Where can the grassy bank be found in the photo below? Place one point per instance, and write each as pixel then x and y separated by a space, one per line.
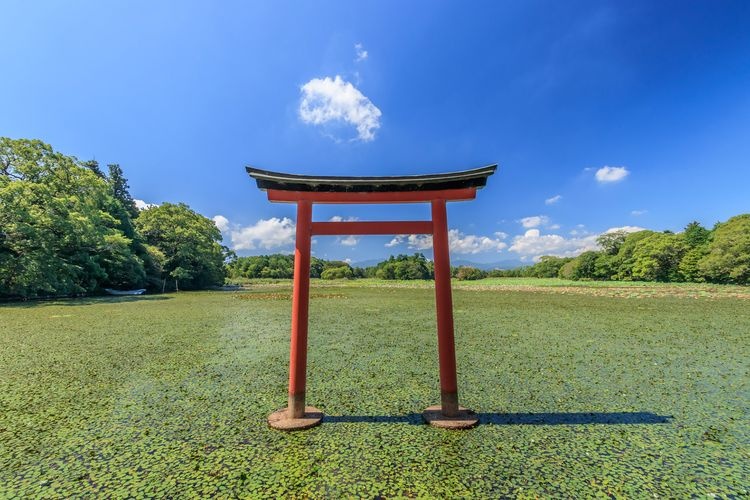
pixel 578 393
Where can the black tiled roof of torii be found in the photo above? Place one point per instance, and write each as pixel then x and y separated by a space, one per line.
pixel 476 178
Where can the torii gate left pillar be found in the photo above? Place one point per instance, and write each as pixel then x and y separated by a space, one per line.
pixel 449 414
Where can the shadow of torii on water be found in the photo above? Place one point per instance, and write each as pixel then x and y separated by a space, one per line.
pixel 544 418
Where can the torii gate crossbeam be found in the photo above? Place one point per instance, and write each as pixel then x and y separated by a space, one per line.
pixel 437 190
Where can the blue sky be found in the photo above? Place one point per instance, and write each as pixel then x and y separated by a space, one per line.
pixel 600 114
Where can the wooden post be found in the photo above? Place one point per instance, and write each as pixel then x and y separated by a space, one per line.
pixel 300 307
pixel 297 416
pixel 444 309
pixel 448 415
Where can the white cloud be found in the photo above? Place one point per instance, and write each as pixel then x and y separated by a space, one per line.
pixel 348 241
pixel 221 222
pixel 611 174
pixel 627 229
pixel 553 200
pixel 532 244
pixel 414 241
pixel 333 100
pixel 554 226
pixel 534 221
pixel 458 242
pixel 361 52
pixel 638 212
pixel 266 233
pixel 142 205
pixel 501 235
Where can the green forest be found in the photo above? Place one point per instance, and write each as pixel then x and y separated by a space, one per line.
pixel 697 254
pixel 68 227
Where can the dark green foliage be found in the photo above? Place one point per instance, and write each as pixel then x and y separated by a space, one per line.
pixel 468 273
pixel 657 257
pixel 339 272
pixel 60 225
pixel 278 266
pixel 281 266
pixel 66 228
pixel 190 242
pixel 547 267
pixel 579 396
pixel 728 254
pixel 120 189
pixel 403 267
pixel 696 235
pixel 585 266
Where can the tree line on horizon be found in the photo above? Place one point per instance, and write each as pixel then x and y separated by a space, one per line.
pixel 69 228
pixel 697 254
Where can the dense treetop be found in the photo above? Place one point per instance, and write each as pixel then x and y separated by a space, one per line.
pixel 67 228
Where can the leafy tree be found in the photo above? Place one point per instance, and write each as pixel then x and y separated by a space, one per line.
pixel 121 190
pixel 568 270
pixel 612 241
pixel 657 257
pixel 623 262
pixel 464 273
pixel 404 267
pixel 585 266
pixel 189 241
pixel 696 235
pixel 688 267
pixel 728 258
pixel 340 272
pixel 547 267
pixel 93 165
pixel 59 235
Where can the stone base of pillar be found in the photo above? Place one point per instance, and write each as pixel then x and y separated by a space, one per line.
pixel 463 419
pixel 283 421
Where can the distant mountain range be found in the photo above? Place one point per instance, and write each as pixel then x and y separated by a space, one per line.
pixel 486 266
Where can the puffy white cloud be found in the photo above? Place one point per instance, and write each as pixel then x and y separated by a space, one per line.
pixel 470 243
pixel 532 244
pixel 142 205
pixel 534 221
pixel 349 241
pixel 361 52
pixel 611 174
pixel 553 200
pixel 333 100
pixel 414 241
pixel 266 233
pixel 221 222
pixel 458 242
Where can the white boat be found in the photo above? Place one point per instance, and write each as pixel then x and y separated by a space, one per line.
pixel 140 291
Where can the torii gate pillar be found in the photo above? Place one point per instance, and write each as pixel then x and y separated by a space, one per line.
pixel 435 189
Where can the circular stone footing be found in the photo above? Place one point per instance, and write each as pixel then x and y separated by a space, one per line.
pixel 465 419
pixel 280 419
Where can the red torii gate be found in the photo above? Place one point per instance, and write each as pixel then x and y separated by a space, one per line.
pixel 437 189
